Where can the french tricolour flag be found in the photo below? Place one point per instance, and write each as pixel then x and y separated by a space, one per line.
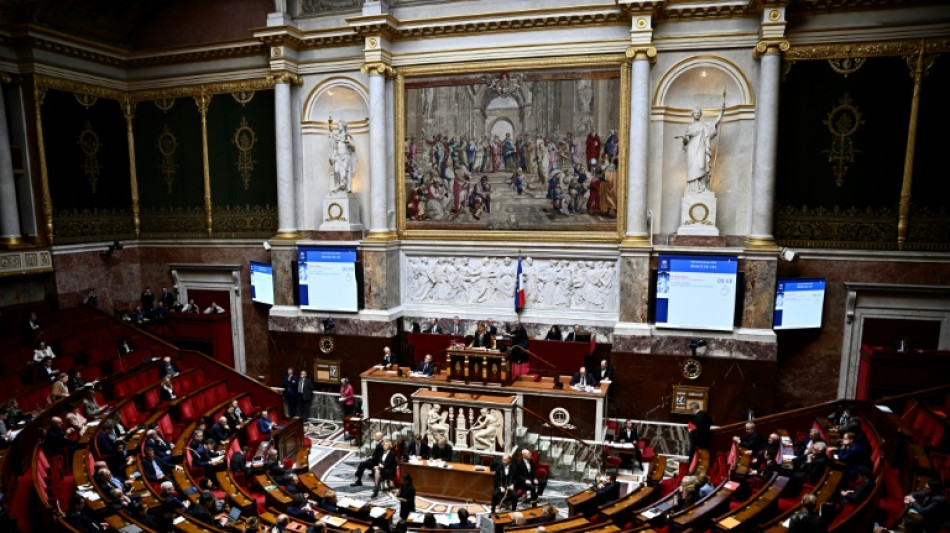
pixel 519 289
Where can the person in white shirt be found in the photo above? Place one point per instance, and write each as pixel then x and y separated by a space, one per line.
pixel 213 309
pixel 42 351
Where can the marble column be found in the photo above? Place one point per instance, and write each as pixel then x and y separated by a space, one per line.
pixel 637 232
pixel 9 212
pixel 377 150
pixel 286 216
pixel 766 146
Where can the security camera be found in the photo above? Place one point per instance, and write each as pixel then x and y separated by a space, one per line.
pixel 266 246
pixel 695 344
pixel 787 254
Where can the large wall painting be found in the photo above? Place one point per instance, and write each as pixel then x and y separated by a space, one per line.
pixel 512 150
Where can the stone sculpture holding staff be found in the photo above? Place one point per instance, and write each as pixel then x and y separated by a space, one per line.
pixel 697 143
pixel 342 158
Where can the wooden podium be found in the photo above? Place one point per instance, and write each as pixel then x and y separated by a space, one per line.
pixel 488 367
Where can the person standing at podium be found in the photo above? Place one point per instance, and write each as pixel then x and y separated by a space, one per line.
pixel 482 337
pixel 518 355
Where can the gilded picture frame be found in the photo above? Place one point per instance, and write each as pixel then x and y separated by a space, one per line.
pixel 552 204
pixel 683 396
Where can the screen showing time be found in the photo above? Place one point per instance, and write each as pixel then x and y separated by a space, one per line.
pixel 798 303
pixel 327 279
pixel 696 292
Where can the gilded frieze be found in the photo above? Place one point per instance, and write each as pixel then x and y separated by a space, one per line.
pixel 168 222
pixel 249 221
pixel 90 225
pixel 837 227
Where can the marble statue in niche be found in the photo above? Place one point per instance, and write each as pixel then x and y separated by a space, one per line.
pixel 487 432
pixel 342 158
pixel 697 143
pixel 437 426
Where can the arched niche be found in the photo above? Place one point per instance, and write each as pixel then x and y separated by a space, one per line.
pixel 699 81
pixel 340 98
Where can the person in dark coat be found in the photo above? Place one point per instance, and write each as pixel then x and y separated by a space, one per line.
pixel 406 497
pixel 290 392
pixel 506 484
pixel 304 395
pixel 699 429
pixel 386 467
pixel 809 520
pixel 417 447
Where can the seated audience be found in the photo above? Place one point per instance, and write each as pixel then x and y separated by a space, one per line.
pixel 427 367
pixel 433 327
pixel 191 307
pixel 464 521
pixel 45 373
pixel 75 381
pixel 43 351
pixel 441 451
pixel 79 518
pixel 238 461
pixel 928 510
pixel 60 390
pixel 417 447
pixel 582 379
pixel 220 431
pixel 299 508
pixel 74 419
pixel 752 442
pixel 808 520
pixel 58 438
pixel 607 489
pixel 861 490
pixel 152 468
pixel 213 309
pixel 853 453
pixel 107 437
pixel 166 391
pixel 575 334
pixel 554 334
pixel 168 368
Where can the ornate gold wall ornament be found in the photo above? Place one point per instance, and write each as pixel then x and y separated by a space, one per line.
pixel 191 91
pixel 245 139
pixel 865 228
pixel 167 145
pixel 243 97
pixel 774 15
pixel 335 212
pixel 128 112
pixel 92 225
pixel 165 104
pixel 846 65
pixel 86 100
pixel 89 144
pixel 698 214
pixel 842 121
pixel 172 222
pixel 284 77
pixel 245 221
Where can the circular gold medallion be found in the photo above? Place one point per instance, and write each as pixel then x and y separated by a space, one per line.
pixel 335 211
pixel 641 22
pixel 326 344
pixel 692 369
pixel 698 212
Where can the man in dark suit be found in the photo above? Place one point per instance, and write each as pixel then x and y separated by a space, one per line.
pixel 582 379
pixel 162 449
pixel 385 468
pixel 106 438
pixel 220 430
pixel 417 447
pixel 77 517
pixel 607 490
pixel 699 429
pixel 238 460
pixel 167 298
pixel 57 438
pixel 574 334
pixel 506 484
pixel 304 395
pixel 427 368
pixel 490 326
pixel 605 372
pixel 629 435
pixel 388 358
pixel 526 475
pixel 433 327
pixel 290 392
pixel 370 462
pixel 441 451
pixel 455 328
pixel 168 368
pixel 153 470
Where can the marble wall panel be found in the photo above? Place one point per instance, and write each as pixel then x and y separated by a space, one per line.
pixel 381 279
pixel 634 287
pixel 759 300
pixel 115 278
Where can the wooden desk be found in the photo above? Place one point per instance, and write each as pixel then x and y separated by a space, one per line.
pixel 460 482
pixel 488 367
pixel 584 502
pixel 744 518
pixel 826 489
pixel 696 516
pixel 586 409
pixel 559 526
pixel 621 511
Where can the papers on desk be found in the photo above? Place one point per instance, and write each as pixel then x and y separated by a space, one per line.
pixel 14 433
pixel 350 503
pixel 650 514
pixel 217 460
pixel 624 445
pixel 415 460
pixel 416 517
pixel 334 521
pixel 729 522
pixel 786 522
pixel 445 519
pixel 377 512
pixel 178 520
pixel 884 408
pixel 418 375
pixel 437 463
pixel 90 495
pixel 93 423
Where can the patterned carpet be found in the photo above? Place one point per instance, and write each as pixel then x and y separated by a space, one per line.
pixel 334 461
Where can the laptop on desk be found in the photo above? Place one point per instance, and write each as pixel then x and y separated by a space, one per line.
pixel 234 515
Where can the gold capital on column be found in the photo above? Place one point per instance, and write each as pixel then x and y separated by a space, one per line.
pixel 284 77
pixel 772 46
pixel 378 68
pixel 642 52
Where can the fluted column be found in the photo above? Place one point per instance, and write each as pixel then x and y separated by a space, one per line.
pixel 378 226
pixel 637 231
pixel 9 212
pixel 286 209
pixel 766 144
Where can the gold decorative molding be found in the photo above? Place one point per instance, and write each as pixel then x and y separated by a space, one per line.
pixel 771 46
pixel 284 77
pixel 761 243
pixel 382 236
pixel 191 91
pixel 377 68
pixel 919 65
pixel 93 225
pixel 88 142
pixel 167 145
pixel 842 121
pixel 244 139
pixel 635 241
pixel 247 221
pixel 45 82
pixel 173 222
pixel 868 49
pixel 642 52
pixel 836 227
pixel 609 60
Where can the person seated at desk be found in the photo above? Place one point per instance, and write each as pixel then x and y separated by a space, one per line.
pixel 629 435
pixel 427 368
pixel 809 468
pixel 853 454
pixel 554 334
pixel 385 469
pixel 78 518
pixel 300 509
pixel 575 335
pixel 752 442
pixel 265 425
pixel 441 451
pixel 928 509
pixel 162 448
pixel 809 520
pixel 456 328
pixel 168 368
pixel 371 461
pixel 464 521
pixel 59 390
pixel 605 373
pixel 220 431
pixel 771 457
pixel 506 481
pixel 607 489
pixel 860 492
pixel 214 309
pixel 203 511
pixel 582 379
pixel 329 502
pixel 530 482
pixel 281 476
pixel 166 392
pixel 153 469
pixel 433 327
pixel 804 446
pixel 483 338
pixel 518 354
pixel 417 447
pixel 490 326
pixel 43 351
pixel 238 461
pixel 119 460
pixel 388 358
pixel 74 418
